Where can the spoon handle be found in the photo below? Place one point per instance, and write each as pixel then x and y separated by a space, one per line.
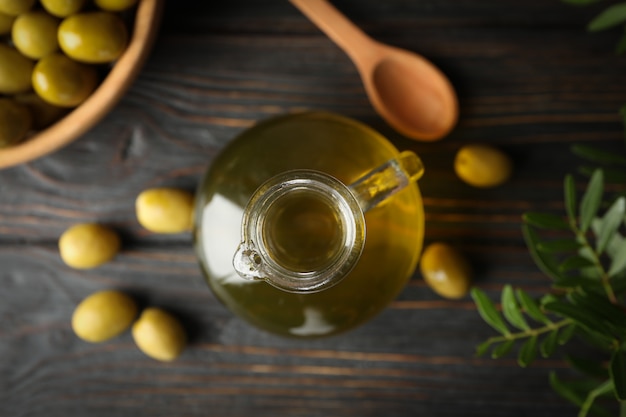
pixel 337 27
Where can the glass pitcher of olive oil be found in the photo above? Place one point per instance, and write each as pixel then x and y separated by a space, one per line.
pixel 309 224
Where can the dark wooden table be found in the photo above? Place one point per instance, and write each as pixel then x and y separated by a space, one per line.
pixel 530 79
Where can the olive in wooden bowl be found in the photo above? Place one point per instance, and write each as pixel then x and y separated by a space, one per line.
pixel 65 87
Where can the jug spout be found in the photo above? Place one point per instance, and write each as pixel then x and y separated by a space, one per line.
pixel 247 261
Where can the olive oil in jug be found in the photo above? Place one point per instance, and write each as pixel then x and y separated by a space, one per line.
pixel 306 231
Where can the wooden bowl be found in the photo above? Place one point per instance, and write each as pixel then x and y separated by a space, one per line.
pixel 102 100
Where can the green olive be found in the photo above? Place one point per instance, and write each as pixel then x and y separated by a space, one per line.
pixel 44 113
pixel 15 7
pixel 165 210
pixel 34 34
pixel 95 37
pixel 115 5
pixel 159 335
pixel 446 270
pixel 15 122
pixel 63 82
pixel 103 315
pixel 62 8
pixel 15 71
pixel 88 245
pixel 482 165
pixel 6 23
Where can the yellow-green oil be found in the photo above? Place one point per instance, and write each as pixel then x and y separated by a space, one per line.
pixel 302 232
pixel 325 142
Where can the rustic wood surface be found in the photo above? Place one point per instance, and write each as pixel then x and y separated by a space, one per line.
pixel 530 80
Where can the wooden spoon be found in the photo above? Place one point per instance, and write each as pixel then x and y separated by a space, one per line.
pixel 407 90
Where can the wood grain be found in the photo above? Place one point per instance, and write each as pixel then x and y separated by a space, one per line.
pixel 530 80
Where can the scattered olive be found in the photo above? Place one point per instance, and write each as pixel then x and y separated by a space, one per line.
pixel 94 37
pixel 15 71
pixel 63 82
pixel 115 5
pixel 6 23
pixel 159 335
pixel 15 7
pixel 165 210
pixel 446 270
pixel 15 122
pixel 103 315
pixel 482 165
pixel 62 8
pixel 88 245
pixel 34 34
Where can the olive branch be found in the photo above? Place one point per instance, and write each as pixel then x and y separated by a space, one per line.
pixel 587 267
pixel 585 257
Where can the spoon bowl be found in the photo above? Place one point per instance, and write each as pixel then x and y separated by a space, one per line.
pixel 406 89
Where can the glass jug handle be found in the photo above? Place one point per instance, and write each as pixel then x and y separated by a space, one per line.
pixel 386 180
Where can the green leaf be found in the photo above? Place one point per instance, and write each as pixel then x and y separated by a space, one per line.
pixel 566 334
pixel 610 223
pixel 545 221
pixel 483 348
pixel 531 307
pixel 598 305
pixel 588 367
pixel 587 319
pixel 548 345
pixel 546 263
pixel 502 349
pixel 614 245
pixel 593 273
pixel 578 282
pixel 617 371
pixel 559 245
pixel 548 298
pixel 614 242
pixel 575 262
pixel 488 311
pixel 598 339
pixel 611 16
pixel 511 309
pixel 527 352
pixel 569 187
pixel 618 264
pixel 591 200
pixel 593 276
pixel 586 251
pixel 597 155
